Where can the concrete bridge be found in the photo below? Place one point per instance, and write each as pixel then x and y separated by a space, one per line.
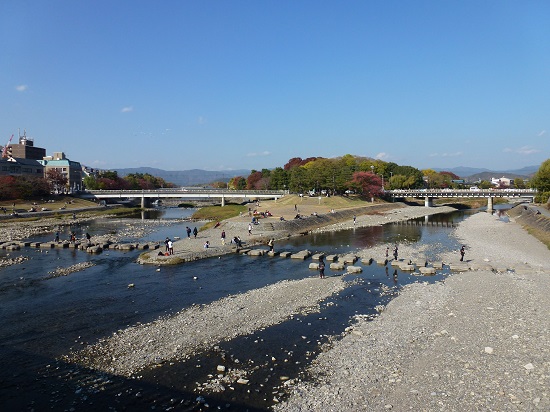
pixel 429 194
pixel 149 196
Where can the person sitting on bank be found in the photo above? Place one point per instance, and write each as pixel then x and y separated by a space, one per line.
pixel 207 244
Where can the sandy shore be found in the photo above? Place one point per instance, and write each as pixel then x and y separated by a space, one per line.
pixel 479 341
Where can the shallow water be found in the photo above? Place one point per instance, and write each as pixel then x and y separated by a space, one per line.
pixel 45 318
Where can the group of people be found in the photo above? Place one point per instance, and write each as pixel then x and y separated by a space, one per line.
pixel 188 230
pixel 168 246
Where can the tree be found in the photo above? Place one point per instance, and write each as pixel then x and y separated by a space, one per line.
pixel 253 179
pixel 237 183
pixel 57 180
pixel 541 182
pixel 368 183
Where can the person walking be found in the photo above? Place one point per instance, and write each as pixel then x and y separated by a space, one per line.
pixel 354 219
pixel 321 268
pixel 170 247
pixel 395 252
pixel 249 229
pixel 166 244
pixel 223 237
pixel 270 244
pixel 188 230
pixel 195 231
pixel 462 252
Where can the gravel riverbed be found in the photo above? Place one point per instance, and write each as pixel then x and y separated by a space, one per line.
pixel 478 341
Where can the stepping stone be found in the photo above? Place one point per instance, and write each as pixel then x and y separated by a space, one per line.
pixel 406 267
pixel 459 267
pixel 396 263
pixel 304 254
pixel 349 259
pixel 318 256
pixel 314 266
pixel 354 269
pixel 382 262
pixel 256 252
pixel 337 266
pixel 420 262
pixel 331 258
pixel 49 245
pixel 285 254
pixel 426 270
pixel 437 265
pixel 272 253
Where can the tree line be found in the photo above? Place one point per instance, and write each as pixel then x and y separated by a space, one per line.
pixel 343 175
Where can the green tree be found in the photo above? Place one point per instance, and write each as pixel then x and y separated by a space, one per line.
pixel 541 182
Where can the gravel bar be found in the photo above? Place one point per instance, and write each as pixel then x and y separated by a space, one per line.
pixel 197 328
pixel 478 341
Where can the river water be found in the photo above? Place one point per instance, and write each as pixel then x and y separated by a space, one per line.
pixel 43 318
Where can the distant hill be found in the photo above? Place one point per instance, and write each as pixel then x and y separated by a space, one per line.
pixel 473 174
pixel 186 177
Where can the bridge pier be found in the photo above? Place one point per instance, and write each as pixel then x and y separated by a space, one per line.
pixel 490 205
pixel 223 200
pixel 428 201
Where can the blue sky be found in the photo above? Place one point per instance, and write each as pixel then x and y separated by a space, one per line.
pixel 221 85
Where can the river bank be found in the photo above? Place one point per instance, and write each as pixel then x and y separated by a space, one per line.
pixel 479 341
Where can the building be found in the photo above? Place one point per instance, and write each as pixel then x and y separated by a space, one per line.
pixel 14 166
pixel 502 182
pixel 71 170
pixel 25 149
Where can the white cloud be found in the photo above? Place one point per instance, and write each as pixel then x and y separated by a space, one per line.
pixel 21 88
pixel 381 156
pixel 258 154
pixel 455 154
pixel 527 150
pixel 524 150
pixel 541 133
pixel 201 120
pixel 127 109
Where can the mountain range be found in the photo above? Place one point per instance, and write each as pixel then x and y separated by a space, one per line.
pixel 191 177
pixel 472 174
pixel 195 177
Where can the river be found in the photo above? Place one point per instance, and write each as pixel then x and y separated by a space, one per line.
pixel 44 317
